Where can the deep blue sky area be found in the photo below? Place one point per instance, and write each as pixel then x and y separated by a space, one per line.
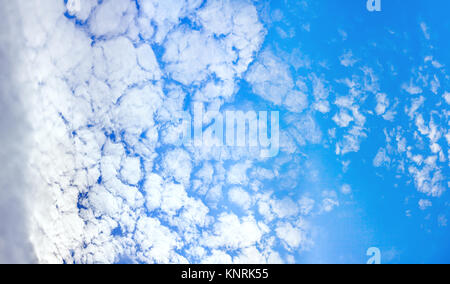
pixel 382 210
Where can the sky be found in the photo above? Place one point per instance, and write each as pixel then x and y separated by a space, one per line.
pixel 92 97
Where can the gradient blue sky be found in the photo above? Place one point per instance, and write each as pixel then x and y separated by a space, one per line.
pixel 375 215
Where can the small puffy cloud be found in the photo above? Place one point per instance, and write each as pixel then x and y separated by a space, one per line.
pixel 270 78
pixel 253 255
pixel 320 89
pixel 218 257
pixel 322 106
pixel 240 197
pixel 285 208
pixel 131 170
pixel 153 187
pixel 381 159
pixel 292 236
pixel 306 205
pixel 424 204
pixel 382 104
pixel 351 141
pixel 233 233
pixel 343 119
pixel 304 129
pixel 347 59
pixel 237 173
pixel 173 198
pixel 296 101
pixel 177 164
pixel 346 189
pixel 112 17
pixel 416 104
pixel 442 221
pixel 447 97
pixel 428 180
pixel 329 202
pixel 157 241
pixel 81 9
pixel 412 89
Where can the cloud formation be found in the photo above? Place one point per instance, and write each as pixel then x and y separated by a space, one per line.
pixel 91 98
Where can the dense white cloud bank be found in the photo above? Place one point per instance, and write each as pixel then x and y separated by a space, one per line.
pixel 102 106
pixel 15 246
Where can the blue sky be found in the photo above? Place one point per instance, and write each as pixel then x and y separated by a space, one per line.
pixel 375 213
pixel 363 99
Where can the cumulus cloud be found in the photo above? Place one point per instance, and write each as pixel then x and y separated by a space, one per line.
pixel 381 159
pixel 412 89
pixel 382 104
pixel 240 197
pixel 346 189
pixel 107 183
pixel 347 59
pixel 107 83
pixel 424 204
pixel 272 80
pixel 293 236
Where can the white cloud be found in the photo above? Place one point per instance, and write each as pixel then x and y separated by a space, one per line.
pixel 112 17
pixel 296 101
pixel 285 208
pixel 306 205
pixel 157 242
pixel 381 159
pixel 240 197
pixel 270 78
pixel 425 30
pixel 322 106
pixel 131 170
pixel 447 97
pixel 81 9
pixel 232 233
pixel 304 129
pixel 15 246
pixel 329 202
pixel 343 119
pixel 193 56
pixel 237 173
pixel 428 180
pixel 412 89
pixel 382 104
pixel 351 142
pixel 177 164
pixel 424 204
pixel 346 189
pixel 293 236
pixel 442 221
pixel 347 59
pixel 415 106
pixel 218 257
pixel 104 105
pixel 153 187
pixel 96 102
